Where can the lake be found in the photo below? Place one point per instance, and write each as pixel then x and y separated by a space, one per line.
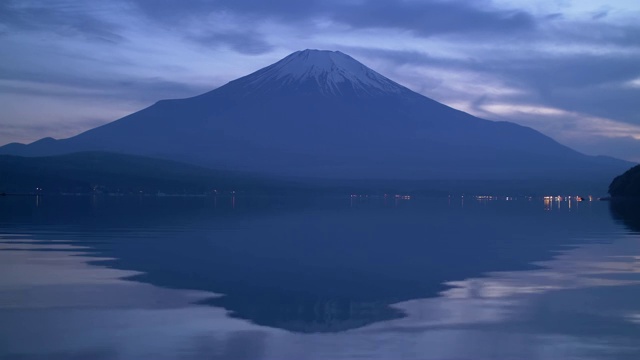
pixel 99 277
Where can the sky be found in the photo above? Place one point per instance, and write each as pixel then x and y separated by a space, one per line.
pixel 567 68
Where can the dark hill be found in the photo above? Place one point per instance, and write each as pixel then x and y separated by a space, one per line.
pixel 91 172
pixel 627 184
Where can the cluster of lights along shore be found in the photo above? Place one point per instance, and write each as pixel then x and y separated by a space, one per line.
pixel 550 201
pixel 556 198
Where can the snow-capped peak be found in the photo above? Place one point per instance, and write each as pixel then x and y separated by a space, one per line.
pixel 334 72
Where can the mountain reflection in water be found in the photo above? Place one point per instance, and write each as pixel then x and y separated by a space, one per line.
pixel 626 211
pixel 310 265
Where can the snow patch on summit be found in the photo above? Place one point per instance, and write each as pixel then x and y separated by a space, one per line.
pixel 333 72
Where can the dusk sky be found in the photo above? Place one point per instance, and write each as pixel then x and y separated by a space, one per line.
pixel 570 69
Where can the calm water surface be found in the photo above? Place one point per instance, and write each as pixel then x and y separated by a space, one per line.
pixel 343 278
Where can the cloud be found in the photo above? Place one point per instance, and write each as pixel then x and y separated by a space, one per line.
pixel 436 17
pixel 585 133
pixel 600 15
pixel 559 121
pixel 619 147
pixel 249 43
pixel 635 83
pixel 421 17
pixel 212 24
pixel 142 89
pixel 595 84
pixel 598 84
pixel 65 18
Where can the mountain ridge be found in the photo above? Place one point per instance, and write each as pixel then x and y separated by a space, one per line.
pixel 319 113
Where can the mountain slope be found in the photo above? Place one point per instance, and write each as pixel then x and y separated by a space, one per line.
pixel 323 114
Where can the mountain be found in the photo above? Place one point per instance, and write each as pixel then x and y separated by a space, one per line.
pixel 101 172
pixel 323 114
